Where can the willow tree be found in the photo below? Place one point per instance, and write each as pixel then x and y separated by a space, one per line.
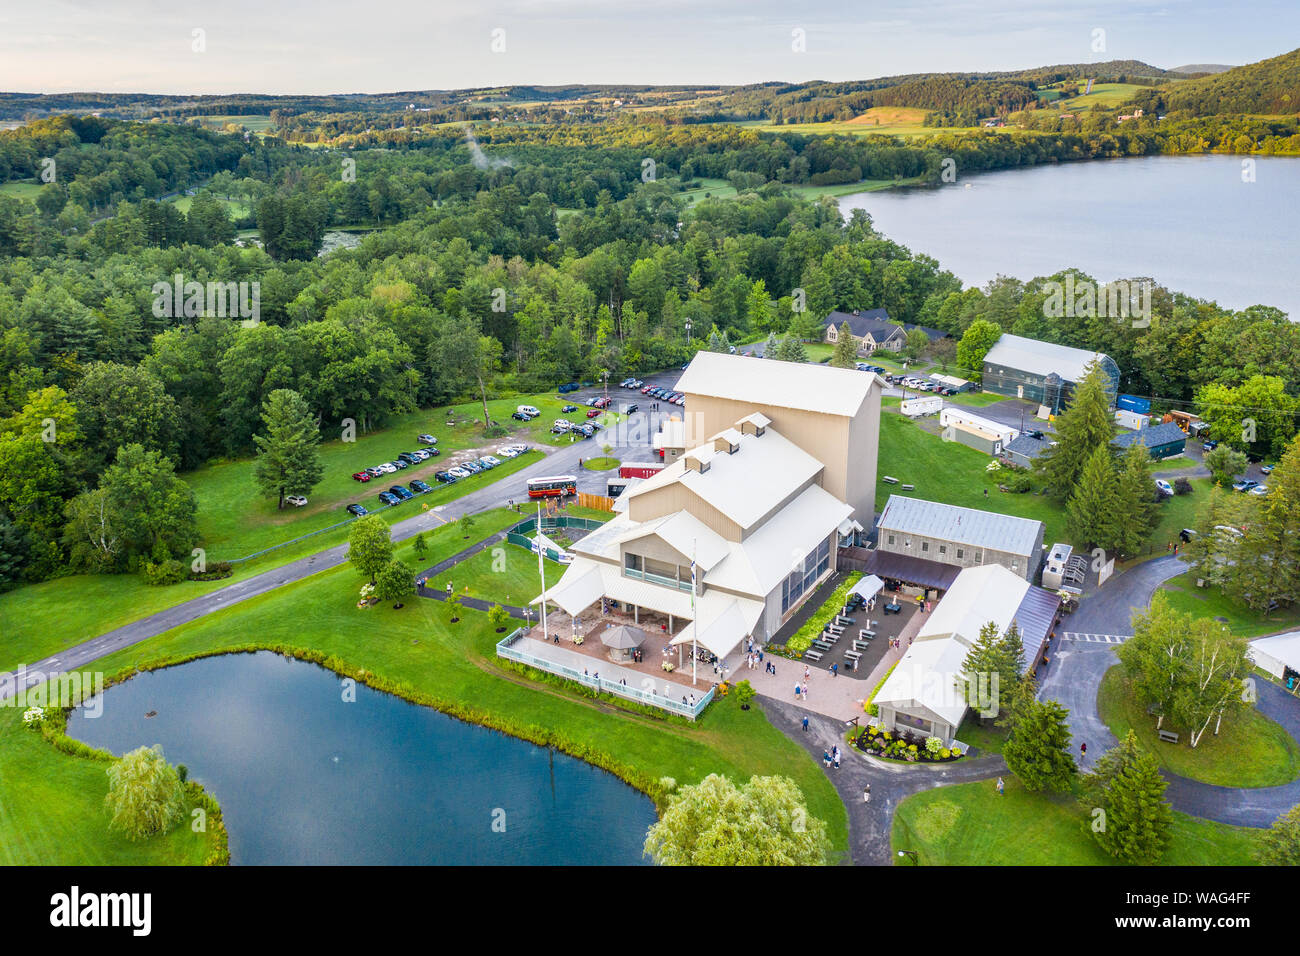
pixel 145 794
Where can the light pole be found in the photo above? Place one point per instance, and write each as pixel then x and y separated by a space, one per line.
pixel 916 860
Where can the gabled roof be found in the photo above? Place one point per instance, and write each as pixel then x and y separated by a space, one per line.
pixel 987 529
pixel 1163 434
pixel 756 381
pixel 1028 446
pixel 1041 358
pixel 744 485
pixel 978 595
pixel 687 535
pixel 873 322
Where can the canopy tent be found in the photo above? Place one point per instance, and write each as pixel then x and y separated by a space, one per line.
pixel 868 586
pixel 1277 653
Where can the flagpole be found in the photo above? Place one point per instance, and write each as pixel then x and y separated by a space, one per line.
pixel 695 619
pixel 541 569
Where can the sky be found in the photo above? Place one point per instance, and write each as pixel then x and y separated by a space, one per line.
pixel 348 46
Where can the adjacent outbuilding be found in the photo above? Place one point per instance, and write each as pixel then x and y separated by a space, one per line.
pixel 1165 440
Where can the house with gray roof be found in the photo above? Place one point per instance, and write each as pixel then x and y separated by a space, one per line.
pixel 962 537
pixel 1165 440
pixel 871 330
pixel 1042 372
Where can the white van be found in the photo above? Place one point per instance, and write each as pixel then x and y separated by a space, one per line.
pixel 527 410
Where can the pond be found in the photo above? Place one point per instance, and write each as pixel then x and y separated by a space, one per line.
pixel 305 777
pixel 1189 222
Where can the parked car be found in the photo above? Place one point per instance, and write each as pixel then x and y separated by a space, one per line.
pixel 1244 485
pixel 387 468
pixel 459 472
pixel 398 464
pixel 1260 490
pixel 408 457
pixel 520 416
pixel 569 408
pixel 593 413
pixel 388 498
pixel 1266 469
pixel 426 439
pixel 296 500
pixel 626 383
pixel 491 461
pixel 472 467
pixel 1209 444
pixel 629 409
pixel 602 402
pixel 361 476
pixel 484 464
pixel 1164 487
pixel 420 487
pixel 443 476
pixel 568 387
pixel 507 452
pixel 530 410
pixel 402 492
pixel 358 510
pixel 587 431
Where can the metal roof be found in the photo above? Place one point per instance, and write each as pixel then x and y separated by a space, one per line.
pixel 756 381
pixel 911 570
pixel 1034 619
pixel 987 529
pixel 1166 433
pixel 1041 358
pixel 1027 445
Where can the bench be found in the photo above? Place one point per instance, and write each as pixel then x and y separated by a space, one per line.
pixel 889 479
pixel 1168 736
pixel 865 635
pixel 909 487
pixel 822 645
pixel 853 655
pixel 836 629
pixel 843 620
pixel 813 655
pixel 827 639
pixel 862 645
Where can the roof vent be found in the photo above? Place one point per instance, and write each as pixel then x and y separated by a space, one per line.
pixel 722 443
pixel 695 463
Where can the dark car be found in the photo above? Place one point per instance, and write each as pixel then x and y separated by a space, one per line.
pixel 1209 444
pixel 629 409
pixel 409 457
pixel 358 510
pixel 420 487
pixel 400 463
pixel 402 492
pixel 484 464
pixel 520 416
pixel 443 476
pixel 426 439
pixel 388 498
pixel 586 430
pixel 569 387
pixel 568 408
pixel 591 414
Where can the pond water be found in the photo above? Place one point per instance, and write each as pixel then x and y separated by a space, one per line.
pixel 1190 222
pixel 304 777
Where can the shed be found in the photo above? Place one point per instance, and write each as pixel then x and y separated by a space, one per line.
pixel 1165 440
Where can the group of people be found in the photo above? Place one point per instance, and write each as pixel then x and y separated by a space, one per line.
pixel 831 756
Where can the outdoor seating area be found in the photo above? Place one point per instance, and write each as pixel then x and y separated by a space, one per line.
pixel 853 641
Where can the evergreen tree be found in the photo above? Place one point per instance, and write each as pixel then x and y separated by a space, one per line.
pixel 1280 846
pixel 1267 564
pixel 1094 516
pixel 992 668
pixel 1135 491
pixel 1038 747
pixel 846 348
pixel 791 350
pixel 770 346
pixel 288 457
pixel 1080 429
pixel 1127 787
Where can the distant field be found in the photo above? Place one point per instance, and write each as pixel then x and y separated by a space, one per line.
pixel 906 122
pixel 1103 95
pixel 236 209
pixel 253 122
pixel 721 189
pixel 20 190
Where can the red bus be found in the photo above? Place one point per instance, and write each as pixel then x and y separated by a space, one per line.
pixel 556 487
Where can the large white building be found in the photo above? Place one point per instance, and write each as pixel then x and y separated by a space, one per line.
pixel 924 692
pixel 748 511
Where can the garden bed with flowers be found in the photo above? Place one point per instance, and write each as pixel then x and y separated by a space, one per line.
pixel 906 747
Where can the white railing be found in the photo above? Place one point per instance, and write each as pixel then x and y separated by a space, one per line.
pixel 506 649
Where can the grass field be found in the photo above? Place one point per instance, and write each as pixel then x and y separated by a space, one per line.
pixel 20 190
pixel 600 464
pixel 253 122
pixel 1184 595
pixel 986 738
pixel 1250 750
pixel 236 210
pixel 455 663
pixel 905 122
pixel 970 825
pixel 505 573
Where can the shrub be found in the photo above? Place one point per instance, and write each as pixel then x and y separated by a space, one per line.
pixel 933 745
pixel 213 572
pixel 167 571
pixel 1182 486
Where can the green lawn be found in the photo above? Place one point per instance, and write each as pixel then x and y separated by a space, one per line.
pixel 970 825
pixel 234 207
pixel 1209 601
pixel 987 738
pixel 1177 512
pixel 505 573
pixel 980 399
pixel 1250 750
pixel 52 811
pixel 600 464
pixel 26 191
pixel 456 664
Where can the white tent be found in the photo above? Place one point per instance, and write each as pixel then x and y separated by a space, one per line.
pixel 1275 654
pixel 868 587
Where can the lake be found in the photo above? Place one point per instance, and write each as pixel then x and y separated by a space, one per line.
pixel 306 778
pixel 1190 222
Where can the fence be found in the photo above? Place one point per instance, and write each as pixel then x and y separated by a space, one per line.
pixel 595 502
pixel 506 649
pixel 519 533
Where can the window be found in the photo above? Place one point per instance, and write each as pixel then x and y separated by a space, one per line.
pixel 961 553
pixel 925 545
pixel 943 549
pixel 979 557
pixel 633 566
pixel 891 539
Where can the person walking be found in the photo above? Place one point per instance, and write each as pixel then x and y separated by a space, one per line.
pixel 806 673
pixel 1083 750
pixel 805 723
pixel 826 758
pixel 835 756
pixel 866 794
pixel 796 691
pixel 835 670
pixel 1001 785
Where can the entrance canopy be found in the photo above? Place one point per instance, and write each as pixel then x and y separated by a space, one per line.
pixel 912 570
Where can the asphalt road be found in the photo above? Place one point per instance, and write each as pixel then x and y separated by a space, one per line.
pixel 631 441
